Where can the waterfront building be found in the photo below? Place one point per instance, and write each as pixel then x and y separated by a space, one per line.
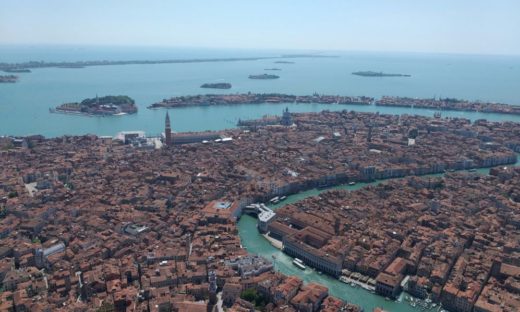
pixel 306 245
pixel 278 230
pixel 419 287
pixel 221 211
pixel 265 217
pixel 127 137
pixel 388 285
pixel 459 300
pixel 368 173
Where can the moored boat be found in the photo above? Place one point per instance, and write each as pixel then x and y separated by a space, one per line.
pixel 298 263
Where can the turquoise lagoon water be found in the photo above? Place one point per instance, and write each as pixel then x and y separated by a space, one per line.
pixel 24 106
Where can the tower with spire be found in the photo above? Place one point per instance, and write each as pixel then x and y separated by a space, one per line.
pixel 167 131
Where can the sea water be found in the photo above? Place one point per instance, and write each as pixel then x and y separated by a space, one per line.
pixel 24 106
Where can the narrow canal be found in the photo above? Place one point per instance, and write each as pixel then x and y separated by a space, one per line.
pixel 257 244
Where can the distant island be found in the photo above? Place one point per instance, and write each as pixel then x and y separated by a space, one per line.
pixel 258 98
pixel 310 55
pixel 71 66
pixel 17 70
pixel 8 79
pixel 99 106
pixel 263 76
pixel 272 69
pixel 218 85
pixel 378 74
pixel 284 62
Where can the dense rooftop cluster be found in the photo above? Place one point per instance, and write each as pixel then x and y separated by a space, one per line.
pixel 91 223
pixel 458 236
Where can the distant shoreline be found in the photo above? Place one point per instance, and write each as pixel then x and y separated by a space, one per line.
pixel 255 98
pixel 378 74
pixel 446 104
pixel 81 64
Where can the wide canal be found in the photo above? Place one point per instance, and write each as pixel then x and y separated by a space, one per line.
pixel 257 244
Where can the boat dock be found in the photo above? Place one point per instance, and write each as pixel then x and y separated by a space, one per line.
pixel 356 279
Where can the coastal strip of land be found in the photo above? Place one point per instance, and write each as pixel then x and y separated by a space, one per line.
pixel 81 64
pixel 449 104
pixel 378 74
pixel 17 70
pixel 257 98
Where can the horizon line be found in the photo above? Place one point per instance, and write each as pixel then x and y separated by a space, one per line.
pixel 264 49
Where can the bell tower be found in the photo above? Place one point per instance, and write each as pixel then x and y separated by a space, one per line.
pixel 167 131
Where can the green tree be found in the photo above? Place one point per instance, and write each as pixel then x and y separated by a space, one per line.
pixel 249 294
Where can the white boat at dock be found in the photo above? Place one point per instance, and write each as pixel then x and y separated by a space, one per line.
pixel 274 200
pixel 298 263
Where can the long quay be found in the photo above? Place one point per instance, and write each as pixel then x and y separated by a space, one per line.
pixel 257 98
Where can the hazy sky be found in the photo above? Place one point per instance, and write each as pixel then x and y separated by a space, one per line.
pixel 459 26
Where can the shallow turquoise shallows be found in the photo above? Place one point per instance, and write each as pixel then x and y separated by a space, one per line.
pixel 24 106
